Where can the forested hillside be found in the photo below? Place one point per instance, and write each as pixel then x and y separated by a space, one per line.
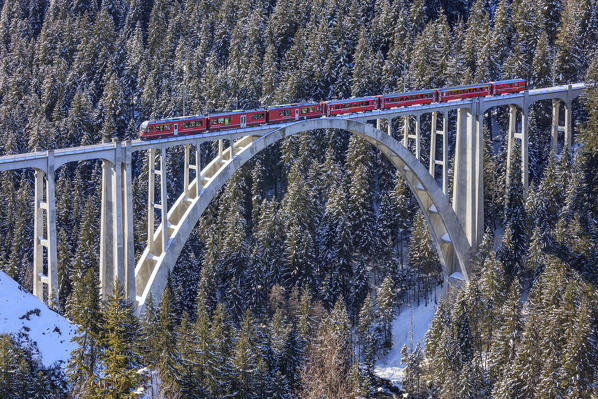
pixel 289 283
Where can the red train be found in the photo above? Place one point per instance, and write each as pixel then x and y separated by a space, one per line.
pixel 293 112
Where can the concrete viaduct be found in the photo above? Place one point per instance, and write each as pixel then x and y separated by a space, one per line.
pixel 456 226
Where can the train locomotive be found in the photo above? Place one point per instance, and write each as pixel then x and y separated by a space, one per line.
pixel 293 112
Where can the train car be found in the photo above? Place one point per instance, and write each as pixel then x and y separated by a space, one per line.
pixel 462 92
pixel 173 127
pixel 295 112
pixel 351 105
pixel 411 98
pixel 508 86
pixel 237 119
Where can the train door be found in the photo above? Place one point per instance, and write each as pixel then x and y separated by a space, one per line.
pixel 296 114
pixel 243 120
pixel 176 128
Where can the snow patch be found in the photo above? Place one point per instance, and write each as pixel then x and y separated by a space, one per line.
pixel 24 315
pixel 420 317
pixel 445 237
pixel 420 187
pixel 457 276
pixel 433 209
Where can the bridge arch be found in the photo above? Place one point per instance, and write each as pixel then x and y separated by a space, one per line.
pixel 447 233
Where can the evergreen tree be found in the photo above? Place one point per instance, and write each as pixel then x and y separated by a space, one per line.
pixel 119 358
pixel 84 310
pixel 386 304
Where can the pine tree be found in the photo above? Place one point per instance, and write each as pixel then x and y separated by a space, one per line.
pixel 367 340
pixel 119 359
pixel 386 304
pixel 504 343
pixel 84 310
pixel 166 340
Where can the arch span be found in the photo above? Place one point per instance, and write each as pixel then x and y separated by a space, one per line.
pixel 447 233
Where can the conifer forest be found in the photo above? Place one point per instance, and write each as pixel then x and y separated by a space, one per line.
pixel 291 280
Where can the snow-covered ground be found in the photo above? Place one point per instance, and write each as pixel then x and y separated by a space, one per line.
pixel 26 317
pixel 411 321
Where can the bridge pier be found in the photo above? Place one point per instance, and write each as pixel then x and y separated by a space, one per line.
pixel 408 136
pixel 557 127
pixel 433 139
pixel 117 258
pixel 44 202
pixel 523 137
pixel 468 184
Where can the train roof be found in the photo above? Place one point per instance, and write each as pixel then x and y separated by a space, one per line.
pixel 350 100
pixel 508 81
pixel 292 105
pixel 408 93
pixel 463 87
pixel 176 119
pixel 239 111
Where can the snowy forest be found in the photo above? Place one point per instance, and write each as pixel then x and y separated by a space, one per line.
pixel 293 275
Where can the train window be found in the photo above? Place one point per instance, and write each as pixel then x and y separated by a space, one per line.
pixel 190 124
pixel 163 128
pixel 308 110
pixel 257 116
pixel 284 112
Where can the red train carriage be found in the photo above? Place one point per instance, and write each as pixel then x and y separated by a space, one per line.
pixel 294 112
pixel 173 127
pixel 508 86
pixel 351 105
pixel 412 98
pixel 235 119
pixel 462 92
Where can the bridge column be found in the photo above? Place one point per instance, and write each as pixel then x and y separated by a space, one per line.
pixel 568 132
pixel 554 138
pixel 189 166
pixel 220 148
pixel 44 201
pixel 389 126
pixel 117 259
pixel 164 199
pixel 407 136
pixel 433 141
pixel 128 233
pixel 468 180
pixel 152 205
pixel 523 136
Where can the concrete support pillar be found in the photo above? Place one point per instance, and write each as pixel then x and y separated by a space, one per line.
pixel 568 132
pixel 117 258
pixel 510 139
pixel 164 199
pixel 554 138
pixel 117 219
pixel 186 170
pixel 151 196
pixel 433 149
pixel 220 148
pixel 189 166
pixel 525 149
pixel 379 124
pixel 417 137
pixel 45 236
pixel 468 182
pixel 197 167
pixel 232 148
pixel 38 235
pixel 433 133
pixel 523 136
pixel 406 131
pixel 389 126
pixel 107 272
pixel 128 233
